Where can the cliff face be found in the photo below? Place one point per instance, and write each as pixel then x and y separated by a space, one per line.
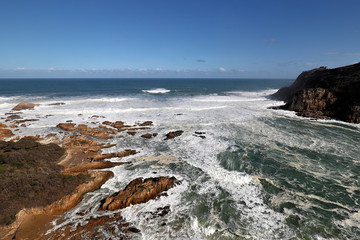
pixel 325 93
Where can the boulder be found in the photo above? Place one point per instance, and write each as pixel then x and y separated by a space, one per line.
pixel 147 123
pixel 25 105
pixel 138 191
pixel 147 135
pixel 66 126
pixel 172 135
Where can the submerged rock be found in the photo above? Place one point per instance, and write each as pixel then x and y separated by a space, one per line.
pixel 56 104
pixel 25 105
pixel 172 135
pixel 325 93
pixel 138 191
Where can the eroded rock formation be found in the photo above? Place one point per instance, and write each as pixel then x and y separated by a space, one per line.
pixel 325 93
pixel 138 191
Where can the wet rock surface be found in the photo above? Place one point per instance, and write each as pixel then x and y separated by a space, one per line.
pixel 138 191
pixel 24 106
pixel 175 134
pixel 325 93
pixel 54 178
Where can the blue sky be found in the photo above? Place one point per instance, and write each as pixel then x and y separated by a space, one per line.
pixel 176 38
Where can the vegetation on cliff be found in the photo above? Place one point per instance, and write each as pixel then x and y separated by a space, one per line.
pixel 31 177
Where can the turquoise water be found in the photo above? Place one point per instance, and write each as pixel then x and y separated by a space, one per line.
pixel 257 174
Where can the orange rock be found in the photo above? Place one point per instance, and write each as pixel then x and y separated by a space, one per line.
pixel 15 139
pixel 138 191
pixel 147 135
pixel 125 153
pixel 82 168
pixel 70 201
pixel 66 126
pixel 25 105
pixel 5 133
pixel 147 123
pixel 95 132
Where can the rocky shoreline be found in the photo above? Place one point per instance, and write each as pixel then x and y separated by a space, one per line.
pixel 325 94
pixel 49 176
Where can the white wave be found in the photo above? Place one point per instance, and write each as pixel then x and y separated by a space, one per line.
pixel 261 93
pixel 156 90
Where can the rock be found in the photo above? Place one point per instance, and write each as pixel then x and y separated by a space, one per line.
pixel 138 191
pixel 155 134
pixel 56 104
pixel 125 153
pixel 159 212
pixel 147 123
pixel 82 168
pixel 325 93
pixel 26 120
pixel 172 135
pixel 24 105
pixel 96 228
pixel 5 133
pixel 66 126
pixel 2 125
pixel 132 133
pixel 13 117
pixel 96 116
pixel 147 135
pixel 200 133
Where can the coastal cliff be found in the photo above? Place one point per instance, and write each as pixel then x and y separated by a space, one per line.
pixel 325 93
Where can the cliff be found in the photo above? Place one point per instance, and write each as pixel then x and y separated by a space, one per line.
pixel 325 93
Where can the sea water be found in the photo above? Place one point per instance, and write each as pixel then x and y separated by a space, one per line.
pixel 258 173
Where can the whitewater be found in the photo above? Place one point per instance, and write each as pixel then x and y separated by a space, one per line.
pixel 256 173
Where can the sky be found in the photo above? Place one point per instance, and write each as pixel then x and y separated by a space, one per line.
pixel 176 38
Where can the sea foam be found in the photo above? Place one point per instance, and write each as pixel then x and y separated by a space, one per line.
pixel 156 90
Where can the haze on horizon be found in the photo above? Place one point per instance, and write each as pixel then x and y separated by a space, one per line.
pixel 230 39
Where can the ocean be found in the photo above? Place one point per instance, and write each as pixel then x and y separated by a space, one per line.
pixel 255 173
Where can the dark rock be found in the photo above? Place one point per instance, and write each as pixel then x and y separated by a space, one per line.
pixel 172 135
pixel 147 135
pixel 56 104
pixel 325 93
pixel 200 133
pixel 14 116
